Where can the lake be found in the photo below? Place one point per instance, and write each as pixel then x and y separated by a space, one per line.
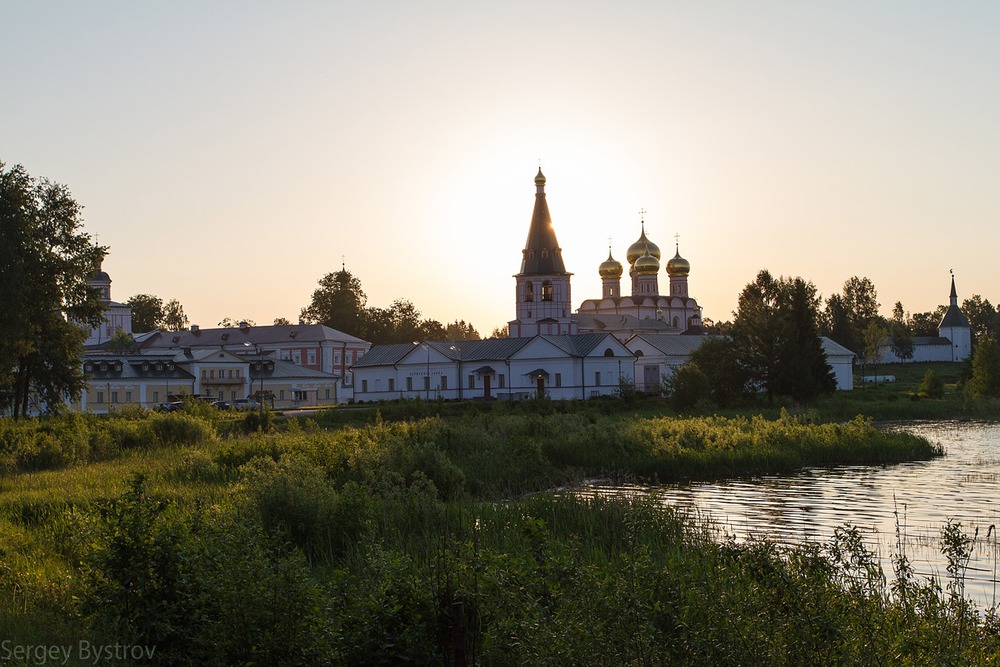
pixel 962 486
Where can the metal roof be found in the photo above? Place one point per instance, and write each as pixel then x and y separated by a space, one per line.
pixel 277 334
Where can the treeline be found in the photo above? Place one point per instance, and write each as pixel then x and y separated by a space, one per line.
pixel 340 303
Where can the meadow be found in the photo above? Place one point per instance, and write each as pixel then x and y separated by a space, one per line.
pixel 428 533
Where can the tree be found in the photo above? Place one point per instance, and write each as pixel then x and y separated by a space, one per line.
pixel 281 321
pixel 233 322
pixel 985 380
pixel 902 340
pixel 338 303
pixel 121 343
pixel 926 323
pixel 45 263
pixel 871 345
pixel 982 316
pixel 459 330
pixel 776 335
pixel 174 318
pixel 500 332
pixel 718 359
pixel 686 387
pixel 848 313
pixel 147 312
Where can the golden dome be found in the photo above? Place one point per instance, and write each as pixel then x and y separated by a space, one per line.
pixel 611 268
pixel 647 265
pixel 540 178
pixel 637 249
pixel 678 266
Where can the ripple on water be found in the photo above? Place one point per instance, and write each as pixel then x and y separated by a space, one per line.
pixel 961 486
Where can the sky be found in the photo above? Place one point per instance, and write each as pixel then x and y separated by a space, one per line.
pixel 233 153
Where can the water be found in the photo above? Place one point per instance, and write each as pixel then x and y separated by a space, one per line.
pixel 962 486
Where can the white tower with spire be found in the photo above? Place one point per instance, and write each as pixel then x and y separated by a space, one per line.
pixel 543 299
pixel 955 327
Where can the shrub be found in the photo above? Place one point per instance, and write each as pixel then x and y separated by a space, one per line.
pixel 932 385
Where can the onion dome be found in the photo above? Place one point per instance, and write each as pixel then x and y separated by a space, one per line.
pixel 540 178
pixel 638 249
pixel 678 266
pixel 611 268
pixel 647 265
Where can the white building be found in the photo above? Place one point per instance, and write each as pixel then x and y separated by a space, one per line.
pixel 953 342
pixel 117 316
pixel 559 367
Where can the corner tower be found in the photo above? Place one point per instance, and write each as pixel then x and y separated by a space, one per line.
pixel 543 299
pixel 955 327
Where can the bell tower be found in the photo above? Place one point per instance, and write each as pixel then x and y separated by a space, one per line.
pixel 543 300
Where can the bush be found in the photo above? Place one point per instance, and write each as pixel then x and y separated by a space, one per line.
pixel 932 385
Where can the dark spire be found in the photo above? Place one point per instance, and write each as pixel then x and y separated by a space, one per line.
pixel 542 255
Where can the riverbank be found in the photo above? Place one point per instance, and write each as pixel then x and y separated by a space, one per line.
pixel 384 542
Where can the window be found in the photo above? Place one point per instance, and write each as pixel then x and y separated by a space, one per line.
pixel 336 358
pixel 547 291
pixel 298 395
pixel 297 357
pixel 100 397
pixel 327 395
pixel 156 397
pixel 472 382
pixel 427 383
pixel 211 374
pixel 364 386
pixel 444 382
pixel 529 293
pixel 232 395
pixel 409 384
pixel 311 357
pixel 392 384
pixel 114 397
pixel 281 395
pixel 597 378
pixel 128 397
pixel 501 380
pixel 558 379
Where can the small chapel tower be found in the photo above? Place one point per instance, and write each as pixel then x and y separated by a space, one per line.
pixel 544 305
pixel 955 327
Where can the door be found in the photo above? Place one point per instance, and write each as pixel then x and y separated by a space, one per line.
pixel 486 385
pixel 651 379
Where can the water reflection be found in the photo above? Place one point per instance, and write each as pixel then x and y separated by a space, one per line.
pixel 961 486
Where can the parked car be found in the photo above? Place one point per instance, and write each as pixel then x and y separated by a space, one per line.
pixel 171 407
pixel 222 405
pixel 245 404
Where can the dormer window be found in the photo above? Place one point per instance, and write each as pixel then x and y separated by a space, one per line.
pixel 104 367
pixel 88 368
pixel 159 367
pixel 545 253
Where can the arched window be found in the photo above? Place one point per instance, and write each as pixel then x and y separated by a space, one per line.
pixel 529 292
pixel 675 321
pixel 547 290
pixel 608 353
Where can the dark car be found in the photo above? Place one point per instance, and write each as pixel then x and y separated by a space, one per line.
pixel 222 405
pixel 171 407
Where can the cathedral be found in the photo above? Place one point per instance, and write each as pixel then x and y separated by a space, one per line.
pixel 543 298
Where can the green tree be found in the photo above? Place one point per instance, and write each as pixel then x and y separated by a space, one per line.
pixel 982 316
pixel 902 340
pixel 339 303
pixel 459 330
pixel 174 318
pixel 719 361
pixel 147 312
pixel 233 322
pixel 872 339
pixel 776 334
pixel 685 387
pixel 121 343
pixel 932 385
pixel 45 263
pixel 926 323
pixel 848 313
pixel 281 321
pixel 985 381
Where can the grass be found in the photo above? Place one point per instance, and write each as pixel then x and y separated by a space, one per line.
pixel 409 534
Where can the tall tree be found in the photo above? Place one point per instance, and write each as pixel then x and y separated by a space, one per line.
pixel 174 318
pixel 45 263
pixel 339 303
pixel 983 318
pixel 926 323
pixel 776 334
pixel 147 312
pixel 985 380
pixel 718 359
pixel 849 313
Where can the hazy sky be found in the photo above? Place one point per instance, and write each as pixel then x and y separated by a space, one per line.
pixel 231 153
